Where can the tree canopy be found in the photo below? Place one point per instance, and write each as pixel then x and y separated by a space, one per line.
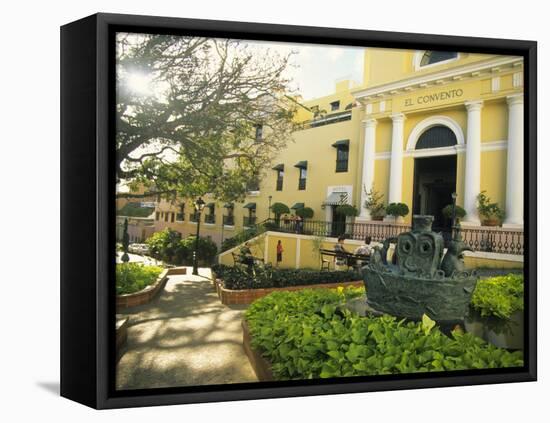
pixel 198 115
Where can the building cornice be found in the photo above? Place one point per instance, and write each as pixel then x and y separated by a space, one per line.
pixel 439 78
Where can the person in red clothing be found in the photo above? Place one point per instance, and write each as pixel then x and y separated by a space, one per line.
pixel 279 253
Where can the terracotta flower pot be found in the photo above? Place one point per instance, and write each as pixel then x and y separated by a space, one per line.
pixel 491 222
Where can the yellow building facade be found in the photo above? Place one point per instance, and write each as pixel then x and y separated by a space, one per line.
pixel 420 126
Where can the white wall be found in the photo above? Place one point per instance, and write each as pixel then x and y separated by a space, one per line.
pixel 30 163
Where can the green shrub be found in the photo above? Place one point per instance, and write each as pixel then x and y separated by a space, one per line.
pixel 133 277
pixel 168 246
pixel 279 209
pixel 165 245
pixel 307 334
pixel 207 249
pixel 347 210
pixel 499 296
pixel 305 212
pixel 448 212
pixel 397 209
pixel 269 277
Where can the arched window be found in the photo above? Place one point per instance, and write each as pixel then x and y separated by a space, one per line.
pixel 431 57
pixel 435 137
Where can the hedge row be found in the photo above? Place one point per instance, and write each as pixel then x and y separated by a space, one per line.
pixel 269 277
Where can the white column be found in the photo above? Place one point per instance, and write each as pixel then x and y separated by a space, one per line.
pixel 514 167
pixel 396 166
pixel 367 179
pixel 472 179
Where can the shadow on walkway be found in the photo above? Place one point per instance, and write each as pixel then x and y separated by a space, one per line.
pixel 184 337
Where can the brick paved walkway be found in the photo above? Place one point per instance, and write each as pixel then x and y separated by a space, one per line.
pixel 184 337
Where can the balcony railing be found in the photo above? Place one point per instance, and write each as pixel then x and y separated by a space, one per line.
pixel 279 186
pixel 326 120
pixel 229 220
pixel 210 218
pixel 302 183
pixel 249 221
pixel 495 240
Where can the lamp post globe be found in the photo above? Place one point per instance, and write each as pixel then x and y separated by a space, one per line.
pixel 199 205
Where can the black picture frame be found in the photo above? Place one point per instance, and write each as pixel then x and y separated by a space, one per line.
pixel 88 212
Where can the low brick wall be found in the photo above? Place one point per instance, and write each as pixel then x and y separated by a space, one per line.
pixel 145 295
pixel 259 364
pixel 246 296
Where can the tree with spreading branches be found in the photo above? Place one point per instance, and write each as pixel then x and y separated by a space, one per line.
pixel 198 115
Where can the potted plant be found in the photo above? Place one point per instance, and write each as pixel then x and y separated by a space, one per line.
pixel 305 213
pixel 448 212
pixel 347 210
pixel 374 204
pixel 398 211
pixel 491 213
pixel 278 210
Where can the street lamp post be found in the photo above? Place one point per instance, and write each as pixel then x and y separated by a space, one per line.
pixel 453 218
pixel 199 205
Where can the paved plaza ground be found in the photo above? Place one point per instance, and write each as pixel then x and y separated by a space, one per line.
pixel 184 337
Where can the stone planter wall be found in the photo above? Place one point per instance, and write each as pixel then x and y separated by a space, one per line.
pixel 246 296
pixel 121 333
pixel 259 364
pixel 500 333
pixel 147 294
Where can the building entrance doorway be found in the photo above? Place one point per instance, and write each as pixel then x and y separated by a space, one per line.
pixel 434 183
pixel 338 225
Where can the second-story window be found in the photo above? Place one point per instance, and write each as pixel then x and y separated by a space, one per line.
pixel 253 184
pixel 334 106
pixel 181 213
pixel 259 136
pixel 280 177
pixel 302 167
pixel 210 217
pixel 342 155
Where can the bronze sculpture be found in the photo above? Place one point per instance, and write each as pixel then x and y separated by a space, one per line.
pixel 421 282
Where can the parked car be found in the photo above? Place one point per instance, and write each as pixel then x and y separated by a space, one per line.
pixel 138 248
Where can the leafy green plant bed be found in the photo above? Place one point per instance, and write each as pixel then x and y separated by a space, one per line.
pixel 269 277
pixel 499 297
pixel 308 334
pixel 133 277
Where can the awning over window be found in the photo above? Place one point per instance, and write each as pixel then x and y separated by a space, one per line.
pixel 297 206
pixel 341 143
pixel 302 164
pixel 337 198
pixel 250 206
pixel 228 206
pixel 280 166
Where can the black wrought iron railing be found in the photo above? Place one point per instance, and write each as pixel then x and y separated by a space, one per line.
pixel 193 217
pixel 302 183
pixel 229 220
pixel 496 240
pixel 279 186
pixel 210 218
